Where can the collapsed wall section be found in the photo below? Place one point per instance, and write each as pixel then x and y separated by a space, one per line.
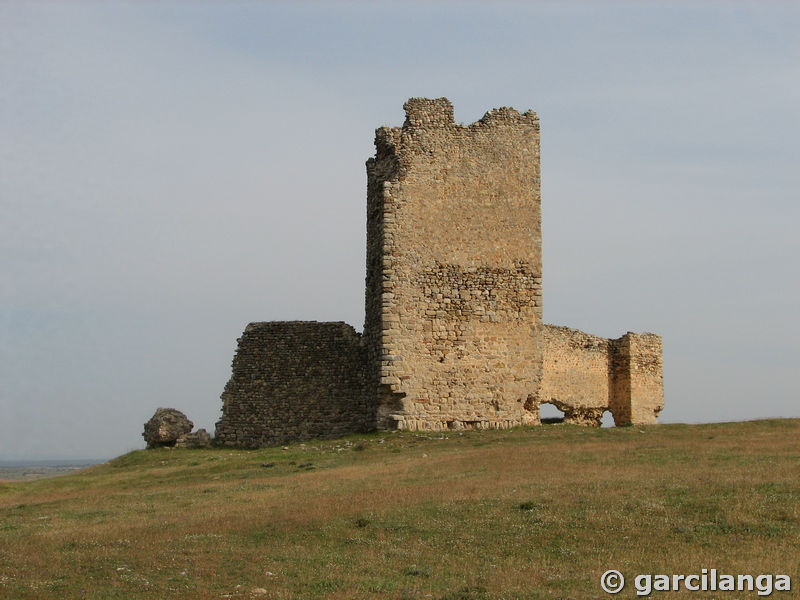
pixel 454 295
pixel 294 380
pixel 576 374
pixel 585 375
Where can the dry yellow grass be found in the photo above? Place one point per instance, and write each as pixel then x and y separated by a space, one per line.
pixel 528 513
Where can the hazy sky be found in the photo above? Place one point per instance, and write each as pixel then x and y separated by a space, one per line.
pixel 171 171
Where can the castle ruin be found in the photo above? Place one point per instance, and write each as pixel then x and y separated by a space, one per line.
pixel 453 334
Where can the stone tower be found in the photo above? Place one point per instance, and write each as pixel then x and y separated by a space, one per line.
pixel 454 269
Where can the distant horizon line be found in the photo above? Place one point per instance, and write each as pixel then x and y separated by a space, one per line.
pixel 52 462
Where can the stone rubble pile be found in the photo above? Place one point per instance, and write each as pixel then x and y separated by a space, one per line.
pixel 169 427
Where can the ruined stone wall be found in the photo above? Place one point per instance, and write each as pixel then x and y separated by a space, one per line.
pixel 454 295
pixel 584 375
pixel 576 373
pixel 294 381
pixel 637 384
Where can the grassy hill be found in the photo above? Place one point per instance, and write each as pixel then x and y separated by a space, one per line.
pixel 537 512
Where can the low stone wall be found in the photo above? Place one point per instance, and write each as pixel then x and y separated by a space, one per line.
pixel 292 381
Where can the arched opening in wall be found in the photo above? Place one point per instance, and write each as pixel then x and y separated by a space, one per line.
pixel 607 419
pixel 549 414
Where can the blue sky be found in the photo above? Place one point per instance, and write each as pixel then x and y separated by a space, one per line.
pixel 174 170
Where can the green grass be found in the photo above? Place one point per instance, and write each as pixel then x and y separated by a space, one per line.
pixel 534 513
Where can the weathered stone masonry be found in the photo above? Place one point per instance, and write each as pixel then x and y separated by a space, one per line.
pixel 453 333
pixel 585 375
pixel 457 269
pixel 294 381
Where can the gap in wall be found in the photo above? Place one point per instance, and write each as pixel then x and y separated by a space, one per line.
pixel 550 414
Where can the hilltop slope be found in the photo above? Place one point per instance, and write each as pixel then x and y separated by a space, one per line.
pixel 537 512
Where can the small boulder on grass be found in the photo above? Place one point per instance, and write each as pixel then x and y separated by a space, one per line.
pixel 166 427
pixel 199 439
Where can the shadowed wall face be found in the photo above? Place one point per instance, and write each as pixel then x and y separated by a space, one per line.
pixel 294 381
pixel 637 394
pixel 454 288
